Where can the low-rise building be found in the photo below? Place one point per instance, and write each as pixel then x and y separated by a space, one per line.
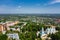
pixel 13 36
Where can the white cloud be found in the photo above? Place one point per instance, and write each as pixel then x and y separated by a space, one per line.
pixel 18 8
pixel 21 9
pixel 55 1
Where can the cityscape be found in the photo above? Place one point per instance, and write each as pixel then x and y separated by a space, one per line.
pixel 29 19
pixel 29 27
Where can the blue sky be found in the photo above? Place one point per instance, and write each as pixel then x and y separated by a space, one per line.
pixel 29 6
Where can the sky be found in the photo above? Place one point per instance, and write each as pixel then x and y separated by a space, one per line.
pixel 29 6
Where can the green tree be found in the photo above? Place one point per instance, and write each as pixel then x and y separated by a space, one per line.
pixel 3 37
pixel 55 36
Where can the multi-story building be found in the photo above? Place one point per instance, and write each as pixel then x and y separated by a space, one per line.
pixel 5 26
pixel 1 27
pixel 45 33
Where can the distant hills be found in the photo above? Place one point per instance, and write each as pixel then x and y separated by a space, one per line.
pixel 40 15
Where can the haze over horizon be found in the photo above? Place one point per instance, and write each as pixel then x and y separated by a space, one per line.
pixel 29 6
